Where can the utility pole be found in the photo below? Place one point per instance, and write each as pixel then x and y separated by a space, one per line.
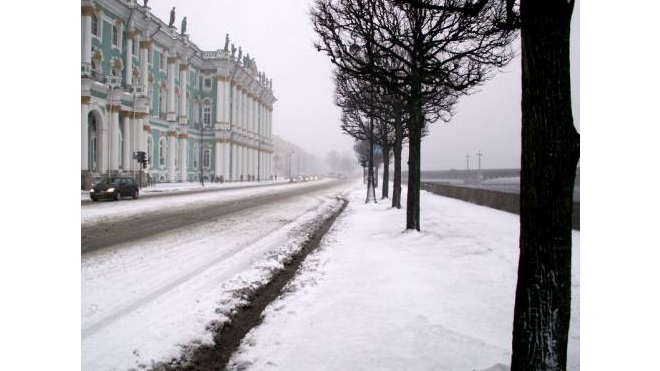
pixel 467 166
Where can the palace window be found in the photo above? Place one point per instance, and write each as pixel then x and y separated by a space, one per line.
pixel 95 25
pixel 115 35
pixel 162 151
pixel 206 162
pixel 206 115
pixel 162 103
pixel 196 114
pixel 207 84
pixel 196 156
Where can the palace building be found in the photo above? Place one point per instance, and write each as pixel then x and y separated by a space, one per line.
pixel 146 87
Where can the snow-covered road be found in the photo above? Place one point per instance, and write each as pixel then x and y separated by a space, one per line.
pixel 143 299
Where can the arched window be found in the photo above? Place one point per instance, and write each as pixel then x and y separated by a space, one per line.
pixel 206 161
pixel 162 151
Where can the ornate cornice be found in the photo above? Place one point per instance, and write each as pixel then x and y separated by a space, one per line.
pixel 171 60
pixel 183 67
pixel 116 109
pixel 145 44
pixel 85 100
pixel 183 136
pixel 147 128
pixel 172 133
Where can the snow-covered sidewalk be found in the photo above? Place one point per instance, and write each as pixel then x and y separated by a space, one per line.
pixel 374 297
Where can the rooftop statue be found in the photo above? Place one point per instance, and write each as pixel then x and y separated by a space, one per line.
pixel 183 26
pixel 144 3
pixel 240 53
pixel 226 42
pixel 172 17
pixel 233 50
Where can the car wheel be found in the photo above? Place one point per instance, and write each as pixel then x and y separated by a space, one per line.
pixel 136 194
pixel 94 199
pixel 117 196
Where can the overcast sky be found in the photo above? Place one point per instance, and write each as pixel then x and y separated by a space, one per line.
pixel 279 36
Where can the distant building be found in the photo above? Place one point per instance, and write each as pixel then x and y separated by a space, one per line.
pixel 147 87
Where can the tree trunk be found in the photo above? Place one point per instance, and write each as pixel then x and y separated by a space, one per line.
pixel 386 172
pixel 398 134
pixel 414 156
pixel 371 187
pixel 550 152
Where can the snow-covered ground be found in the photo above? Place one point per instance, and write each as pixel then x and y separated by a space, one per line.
pixel 376 298
pixel 141 302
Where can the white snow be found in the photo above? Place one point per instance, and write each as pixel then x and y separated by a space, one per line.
pixel 374 297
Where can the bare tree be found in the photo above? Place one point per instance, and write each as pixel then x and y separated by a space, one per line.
pixel 550 153
pixel 440 55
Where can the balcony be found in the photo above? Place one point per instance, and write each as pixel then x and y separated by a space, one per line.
pixel 139 90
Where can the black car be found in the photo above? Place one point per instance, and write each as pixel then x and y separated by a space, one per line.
pixel 114 188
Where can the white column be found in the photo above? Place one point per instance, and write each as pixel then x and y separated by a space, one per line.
pixel 244 102
pixel 183 115
pixel 129 59
pixel 114 139
pixel 219 151
pixel 183 157
pixel 225 160
pixel 144 63
pixel 239 161
pixel 84 134
pixel 171 95
pixel 136 131
pixel 234 160
pixel 128 156
pixel 250 125
pixel 102 135
pixel 244 162
pixel 219 109
pixel 86 45
pixel 171 153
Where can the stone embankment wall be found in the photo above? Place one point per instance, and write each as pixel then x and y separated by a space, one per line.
pixel 497 200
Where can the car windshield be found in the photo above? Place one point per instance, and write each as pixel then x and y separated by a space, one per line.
pixel 108 181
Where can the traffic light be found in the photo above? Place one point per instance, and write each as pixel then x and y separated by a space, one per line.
pixel 145 162
pixel 141 156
